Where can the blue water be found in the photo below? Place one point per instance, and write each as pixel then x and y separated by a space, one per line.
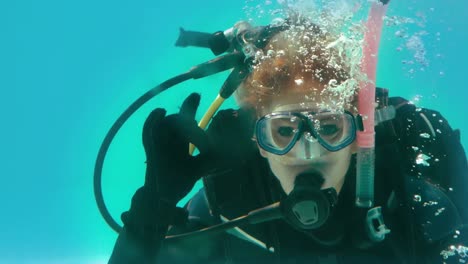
pixel 68 69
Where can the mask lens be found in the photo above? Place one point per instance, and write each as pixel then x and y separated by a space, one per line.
pixel 277 133
pixel 334 130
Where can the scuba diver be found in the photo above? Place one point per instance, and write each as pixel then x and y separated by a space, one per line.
pixel 283 175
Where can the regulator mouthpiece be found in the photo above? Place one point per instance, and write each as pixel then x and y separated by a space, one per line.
pixel 307 206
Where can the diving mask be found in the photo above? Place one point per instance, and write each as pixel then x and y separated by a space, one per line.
pixel 315 132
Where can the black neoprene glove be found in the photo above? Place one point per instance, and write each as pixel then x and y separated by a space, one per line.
pixel 171 171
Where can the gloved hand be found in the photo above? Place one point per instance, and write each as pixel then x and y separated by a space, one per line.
pixel 171 171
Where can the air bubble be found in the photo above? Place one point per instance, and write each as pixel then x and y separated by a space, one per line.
pixel 421 159
pixel 453 250
pixel 309 137
pixel 439 211
pixel 424 135
pixel 299 81
pixel 430 203
pixel 417 198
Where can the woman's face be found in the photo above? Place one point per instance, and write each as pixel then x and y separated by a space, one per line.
pixel 332 165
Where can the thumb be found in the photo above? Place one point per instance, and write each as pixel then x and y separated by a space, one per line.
pixel 189 107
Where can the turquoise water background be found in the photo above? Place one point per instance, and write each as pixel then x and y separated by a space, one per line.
pixel 69 68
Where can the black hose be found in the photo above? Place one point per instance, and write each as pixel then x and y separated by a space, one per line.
pixel 110 136
pixel 212 230
pixel 267 213
pixel 210 67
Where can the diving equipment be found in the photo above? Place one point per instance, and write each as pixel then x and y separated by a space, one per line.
pixel 366 106
pixel 244 41
pixel 236 58
pixel 306 208
pixel 279 132
pixel 193 38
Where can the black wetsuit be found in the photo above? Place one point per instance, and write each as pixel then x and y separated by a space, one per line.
pixel 422 205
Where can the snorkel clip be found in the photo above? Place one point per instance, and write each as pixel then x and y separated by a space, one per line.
pixel 375 226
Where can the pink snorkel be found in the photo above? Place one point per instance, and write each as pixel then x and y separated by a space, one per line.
pixel 366 107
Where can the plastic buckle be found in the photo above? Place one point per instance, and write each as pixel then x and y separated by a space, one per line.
pixel 376 228
pixel 384 114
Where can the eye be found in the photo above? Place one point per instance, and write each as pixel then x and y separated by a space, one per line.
pixel 285 131
pixel 328 130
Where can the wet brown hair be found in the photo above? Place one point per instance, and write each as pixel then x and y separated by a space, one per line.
pixel 295 61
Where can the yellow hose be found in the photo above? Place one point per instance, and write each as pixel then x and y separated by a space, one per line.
pixel 207 117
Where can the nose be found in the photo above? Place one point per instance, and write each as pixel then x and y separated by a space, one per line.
pixel 307 147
